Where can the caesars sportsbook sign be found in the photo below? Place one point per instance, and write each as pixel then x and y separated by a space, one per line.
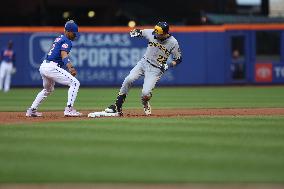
pixel 101 58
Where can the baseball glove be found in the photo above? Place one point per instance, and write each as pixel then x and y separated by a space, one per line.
pixel 73 71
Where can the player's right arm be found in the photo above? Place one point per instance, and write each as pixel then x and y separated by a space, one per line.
pixel 147 33
pixel 136 33
pixel 67 62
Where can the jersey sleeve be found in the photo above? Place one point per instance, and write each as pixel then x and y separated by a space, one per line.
pixel 65 46
pixel 147 33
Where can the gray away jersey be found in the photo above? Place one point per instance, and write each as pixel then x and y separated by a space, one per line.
pixel 158 51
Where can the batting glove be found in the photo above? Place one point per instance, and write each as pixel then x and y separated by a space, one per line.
pixel 136 33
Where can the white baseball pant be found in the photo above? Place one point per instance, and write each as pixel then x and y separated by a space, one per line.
pixel 5 75
pixel 50 74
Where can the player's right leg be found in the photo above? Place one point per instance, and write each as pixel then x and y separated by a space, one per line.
pixel 117 107
pixel 134 74
pixel 48 87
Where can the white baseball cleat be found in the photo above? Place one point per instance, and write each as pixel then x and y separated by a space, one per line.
pixel 31 112
pixel 147 109
pixel 71 112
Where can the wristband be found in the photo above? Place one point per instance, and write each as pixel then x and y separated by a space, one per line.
pixel 66 60
pixel 178 61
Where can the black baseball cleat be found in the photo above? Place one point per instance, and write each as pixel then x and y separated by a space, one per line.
pixel 112 109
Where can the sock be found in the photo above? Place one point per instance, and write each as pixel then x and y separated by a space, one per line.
pixel 72 92
pixel 119 101
pixel 41 96
pixel 145 99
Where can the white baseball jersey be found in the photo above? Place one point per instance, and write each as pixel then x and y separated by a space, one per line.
pixel 159 51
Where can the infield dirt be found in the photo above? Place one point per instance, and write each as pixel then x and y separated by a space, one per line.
pixel 54 116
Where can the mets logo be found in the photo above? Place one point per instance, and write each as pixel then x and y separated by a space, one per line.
pixel 65 45
pixel 39 45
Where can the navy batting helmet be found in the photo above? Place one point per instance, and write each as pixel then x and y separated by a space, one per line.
pixel 161 28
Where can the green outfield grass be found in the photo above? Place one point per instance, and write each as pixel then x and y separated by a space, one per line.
pixel 221 149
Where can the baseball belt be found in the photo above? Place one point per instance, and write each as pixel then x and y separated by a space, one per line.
pixel 160 67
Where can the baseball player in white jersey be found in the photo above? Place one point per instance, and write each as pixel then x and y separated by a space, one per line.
pixel 51 71
pixel 7 66
pixel 152 66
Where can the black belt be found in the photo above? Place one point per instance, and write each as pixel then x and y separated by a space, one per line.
pixel 160 67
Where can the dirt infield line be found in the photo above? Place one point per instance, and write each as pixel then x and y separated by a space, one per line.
pixel 19 117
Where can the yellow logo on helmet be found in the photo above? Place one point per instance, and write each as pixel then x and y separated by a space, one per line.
pixel 158 30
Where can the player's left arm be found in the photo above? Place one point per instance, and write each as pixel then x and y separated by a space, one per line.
pixel 177 59
pixel 14 60
pixel 66 60
pixel 1 55
pixel 65 49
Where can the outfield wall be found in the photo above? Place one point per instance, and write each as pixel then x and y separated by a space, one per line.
pixel 105 55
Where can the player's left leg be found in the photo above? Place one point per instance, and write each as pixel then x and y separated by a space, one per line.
pixel 2 74
pixel 48 87
pixel 134 74
pixel 7 81
pixel 65 78
pixel 152 76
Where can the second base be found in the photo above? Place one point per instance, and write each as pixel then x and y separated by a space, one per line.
pixel 102 114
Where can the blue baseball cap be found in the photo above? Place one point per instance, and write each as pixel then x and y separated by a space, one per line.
pixel 71 26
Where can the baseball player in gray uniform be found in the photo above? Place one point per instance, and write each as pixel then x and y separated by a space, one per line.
pixel 152 66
